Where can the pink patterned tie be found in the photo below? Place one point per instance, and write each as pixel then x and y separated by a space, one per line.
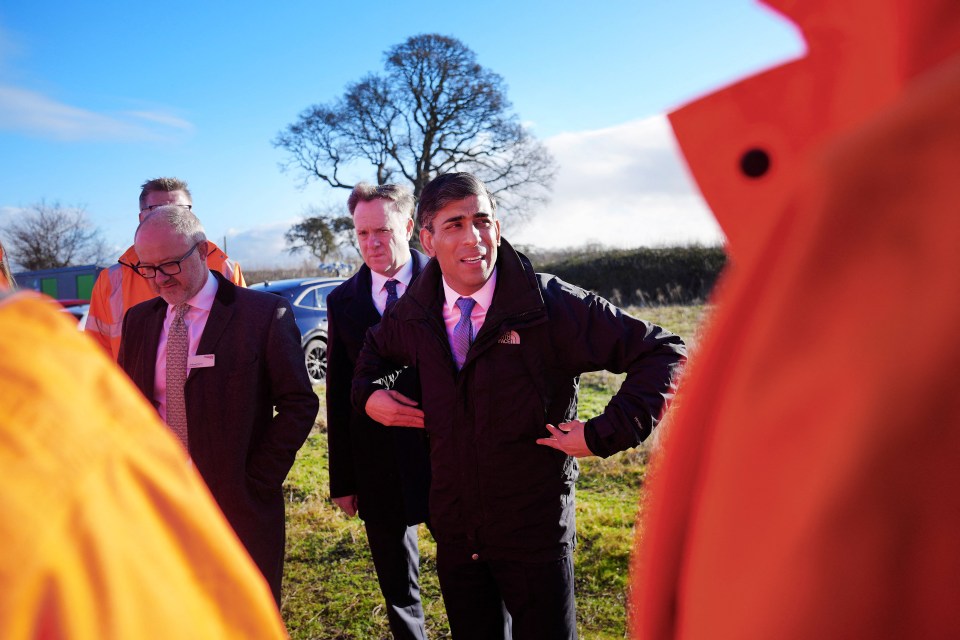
pixel 463 332
pixel 177 347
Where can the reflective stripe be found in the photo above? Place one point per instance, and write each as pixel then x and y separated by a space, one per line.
pixel 115 302
pixel 231 271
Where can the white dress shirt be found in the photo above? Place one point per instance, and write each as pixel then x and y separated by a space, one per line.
pixel 379 291
pixel 196 320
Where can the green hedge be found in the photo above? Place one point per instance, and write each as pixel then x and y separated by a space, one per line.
pixel 645 276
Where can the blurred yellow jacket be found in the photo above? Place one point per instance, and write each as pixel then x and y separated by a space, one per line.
pixel 108 532
pixel 119 287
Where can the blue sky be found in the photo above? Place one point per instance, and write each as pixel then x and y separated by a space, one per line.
pixel 96 98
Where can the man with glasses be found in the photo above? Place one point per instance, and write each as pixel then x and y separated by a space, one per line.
pixel 119 287
pixel 223 366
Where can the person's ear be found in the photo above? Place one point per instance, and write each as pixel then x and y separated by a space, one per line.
pixel 426 241
pixel 203 249
pixel 409 228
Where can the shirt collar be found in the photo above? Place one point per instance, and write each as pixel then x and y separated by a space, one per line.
pixel 203 299
pixel 482 296
pixel 404 275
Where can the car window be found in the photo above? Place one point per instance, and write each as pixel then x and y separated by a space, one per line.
pixel 308 299
pixel 323 292
pixel 316 298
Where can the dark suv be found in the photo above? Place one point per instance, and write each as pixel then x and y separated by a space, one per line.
pixel 308 297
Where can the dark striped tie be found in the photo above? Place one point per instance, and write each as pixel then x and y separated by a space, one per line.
pixel 391 287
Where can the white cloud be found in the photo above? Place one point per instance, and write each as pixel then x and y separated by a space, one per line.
pixel 28 112
pixel 624 186
pixel 164 119
pixel 262 247
pixel 7 215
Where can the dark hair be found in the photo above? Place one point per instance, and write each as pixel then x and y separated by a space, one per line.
pixel 162 184
pixel 399 196
pixel 448 188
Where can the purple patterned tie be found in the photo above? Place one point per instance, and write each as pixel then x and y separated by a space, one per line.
pixel 178 344
pixel 463 332
pixel 391 287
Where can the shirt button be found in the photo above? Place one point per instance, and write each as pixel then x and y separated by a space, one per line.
pixel 475 556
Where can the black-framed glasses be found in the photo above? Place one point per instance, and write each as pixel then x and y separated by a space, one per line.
pixel 167 268
pixel 188 207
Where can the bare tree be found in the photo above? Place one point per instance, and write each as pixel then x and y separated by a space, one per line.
pixel 324 232
pixel 49 236
pixel 433 110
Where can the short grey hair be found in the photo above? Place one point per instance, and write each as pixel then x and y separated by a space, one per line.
pixel 365 192
pixel 183 221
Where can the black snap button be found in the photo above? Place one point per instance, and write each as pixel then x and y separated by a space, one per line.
pixel 755 163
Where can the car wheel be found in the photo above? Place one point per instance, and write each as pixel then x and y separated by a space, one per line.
pixel 315 354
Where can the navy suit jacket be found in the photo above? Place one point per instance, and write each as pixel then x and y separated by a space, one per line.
pixel 242 450
pixel 387 468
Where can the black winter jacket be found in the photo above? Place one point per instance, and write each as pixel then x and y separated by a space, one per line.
pixel 496 492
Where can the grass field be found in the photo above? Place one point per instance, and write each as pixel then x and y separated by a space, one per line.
pixel 330 589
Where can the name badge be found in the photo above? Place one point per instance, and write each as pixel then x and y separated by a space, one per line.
pixel 200 361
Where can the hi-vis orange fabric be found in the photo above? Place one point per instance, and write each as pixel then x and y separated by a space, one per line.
pixel 810 484
pixel 107 531
pixel 119 288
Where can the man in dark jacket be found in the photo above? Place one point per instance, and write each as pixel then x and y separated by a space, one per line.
pixel 224 367
pixel 382 473
pixel 501 409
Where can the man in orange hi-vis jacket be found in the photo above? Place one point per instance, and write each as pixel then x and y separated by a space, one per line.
pixel 810 485
pixel 108 532
pixel 120 287
pixel 6 278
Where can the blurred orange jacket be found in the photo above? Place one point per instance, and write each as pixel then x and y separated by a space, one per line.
pixel 119 287
pixel 809 486
pixel 108 532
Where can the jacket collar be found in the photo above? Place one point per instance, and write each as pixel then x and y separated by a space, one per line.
pixel 517 293
pixel 359 289
pixel 860 56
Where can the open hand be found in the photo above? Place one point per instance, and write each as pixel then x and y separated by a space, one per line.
pixel 567 437
pixel 393 409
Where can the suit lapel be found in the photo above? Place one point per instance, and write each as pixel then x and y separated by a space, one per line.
pixel 152 328
pixel 220 315
pixel 359 307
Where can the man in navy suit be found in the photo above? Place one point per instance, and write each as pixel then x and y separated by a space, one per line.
pixel 224 368
pixel 380 473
